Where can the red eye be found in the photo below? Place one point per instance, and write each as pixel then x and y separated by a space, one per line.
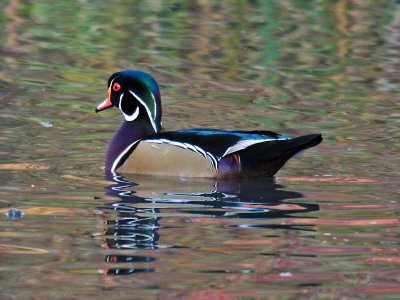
pixel 116 87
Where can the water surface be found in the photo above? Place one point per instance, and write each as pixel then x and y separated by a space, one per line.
pixel 326 227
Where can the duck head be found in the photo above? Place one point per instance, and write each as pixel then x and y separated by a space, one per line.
pixel 137 95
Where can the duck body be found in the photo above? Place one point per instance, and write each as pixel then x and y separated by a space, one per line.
pixel 140 146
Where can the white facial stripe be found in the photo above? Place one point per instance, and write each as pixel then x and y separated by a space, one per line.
pixel 112 82
pixel 147 110
pixel 155 104
pixel 133 116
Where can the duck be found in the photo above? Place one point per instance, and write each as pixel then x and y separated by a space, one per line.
pixel 141 146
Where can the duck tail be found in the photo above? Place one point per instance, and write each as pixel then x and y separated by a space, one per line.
pixel 265 159
pixel 304 142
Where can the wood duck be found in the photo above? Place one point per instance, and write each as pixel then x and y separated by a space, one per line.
pixel 141 146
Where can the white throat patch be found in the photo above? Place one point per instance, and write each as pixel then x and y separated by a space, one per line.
pixel 133 116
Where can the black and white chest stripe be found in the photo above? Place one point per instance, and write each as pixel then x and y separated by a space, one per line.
pixel 123 156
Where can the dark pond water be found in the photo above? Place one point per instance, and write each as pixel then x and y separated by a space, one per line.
pixel 327 227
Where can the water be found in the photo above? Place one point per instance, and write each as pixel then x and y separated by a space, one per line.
pixel 327 227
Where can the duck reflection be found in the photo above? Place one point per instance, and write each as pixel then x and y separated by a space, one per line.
pixel 142 202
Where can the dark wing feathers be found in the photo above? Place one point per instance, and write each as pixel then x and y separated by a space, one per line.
pixel 267 158
pixel 213 141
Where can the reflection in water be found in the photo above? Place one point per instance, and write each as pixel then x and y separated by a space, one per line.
pixel 141 204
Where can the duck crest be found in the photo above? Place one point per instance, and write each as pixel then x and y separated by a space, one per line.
pixel 140 147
